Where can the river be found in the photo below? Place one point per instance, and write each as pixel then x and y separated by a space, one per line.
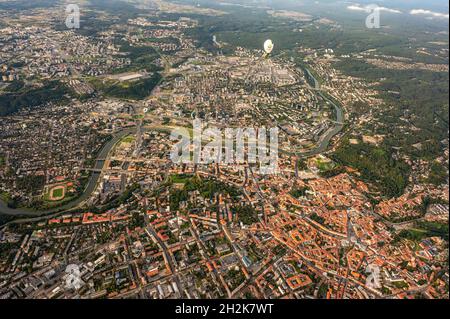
pixel 93 180
pixel 326 138
pixel 90 187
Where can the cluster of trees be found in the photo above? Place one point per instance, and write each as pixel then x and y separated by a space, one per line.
pixel 299 192
pixel 376 165
pixel 7 218
pixel 419 117
pixel 421 103
pixel 208 188
pixel 333 171
pixel 302 165
pixel 428 201
pixel 176 197
pixel 137 220
pixel 6 249
pixel 317 218
pixel 14 101
pixel 234 278
pixel 31 183
pixel 117 201
pixel 438 174
pixel 142 58
pixel 435 229
pixel 136 91
pixel 424 230
pixel 247 214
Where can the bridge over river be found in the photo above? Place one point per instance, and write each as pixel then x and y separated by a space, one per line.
pixel 103 155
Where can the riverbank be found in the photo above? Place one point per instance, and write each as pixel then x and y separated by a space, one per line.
pixel 326 138
pixel 90 187
pixel 94 178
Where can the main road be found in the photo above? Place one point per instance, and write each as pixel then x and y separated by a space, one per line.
pixel 93 180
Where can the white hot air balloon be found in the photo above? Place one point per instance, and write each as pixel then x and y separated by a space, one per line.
pixel 268 46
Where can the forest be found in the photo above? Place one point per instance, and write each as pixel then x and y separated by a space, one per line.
pixel 376 165
pixel 14 101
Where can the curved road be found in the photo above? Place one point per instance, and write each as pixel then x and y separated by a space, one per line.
pixel 90 187
pixel 325 139
pixel 320 148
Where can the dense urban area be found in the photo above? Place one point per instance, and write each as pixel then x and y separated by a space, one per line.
pixel 92 205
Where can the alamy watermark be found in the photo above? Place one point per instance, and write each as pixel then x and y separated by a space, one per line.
pixel 73 16
pixel 73 277
pixel 373 279
pixel 373 20
pixel 209 145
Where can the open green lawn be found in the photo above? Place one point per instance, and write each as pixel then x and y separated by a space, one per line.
pixel 136 90
pixel 5 197
pixel 57 193
pixel 180 179
pixel 324 165
pixel 129 139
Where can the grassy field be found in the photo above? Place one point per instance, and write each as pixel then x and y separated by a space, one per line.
pixel 57 193
pixel 128 139
pixel 5 197
pixel 324 165
pixel 136 90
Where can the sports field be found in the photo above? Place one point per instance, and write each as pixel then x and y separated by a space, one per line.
pixel 57 193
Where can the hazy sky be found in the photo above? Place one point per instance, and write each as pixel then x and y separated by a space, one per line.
pixel 426 9
pixel 410 4
pixel 441 5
